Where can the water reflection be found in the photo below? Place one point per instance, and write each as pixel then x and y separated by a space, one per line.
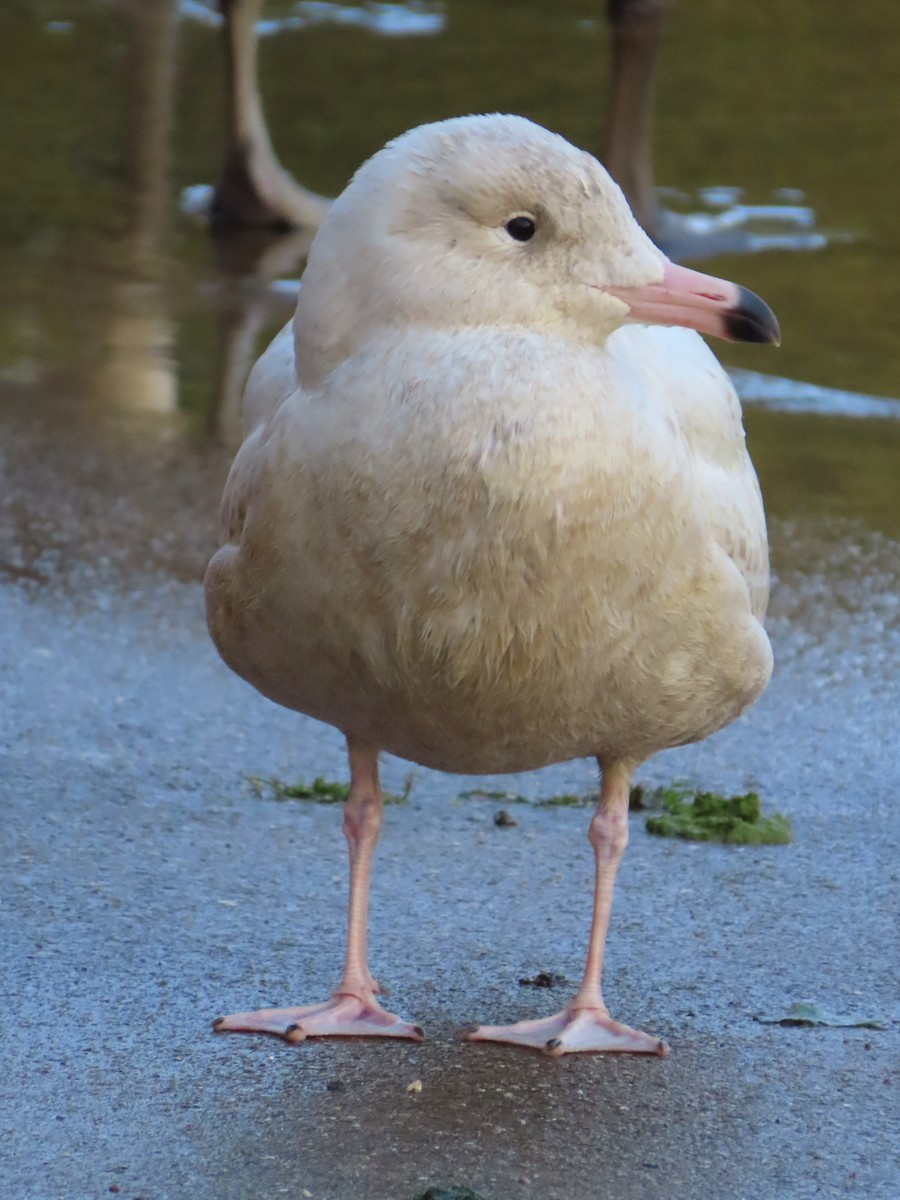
pixel 707 230
pixel 724 225
pixel 255 295
pixel 117 302
pixel 255 190
pixel 389 20
pixel 136 369
pixel 794 396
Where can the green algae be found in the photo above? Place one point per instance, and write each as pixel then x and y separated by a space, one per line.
pixel 686 813
pixel 809 1014
pixel 709 817
pixel 320 791
pixel 488 794
pixel 566 800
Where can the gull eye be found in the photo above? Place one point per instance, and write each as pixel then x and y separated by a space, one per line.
pixel 520 228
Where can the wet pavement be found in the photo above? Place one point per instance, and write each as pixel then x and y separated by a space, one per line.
pixel 145 887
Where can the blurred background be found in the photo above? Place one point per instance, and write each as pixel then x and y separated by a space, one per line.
pixel 775 148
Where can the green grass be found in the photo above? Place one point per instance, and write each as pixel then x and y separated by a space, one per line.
pixel 566 800
pixel 640 797
pixel 320 791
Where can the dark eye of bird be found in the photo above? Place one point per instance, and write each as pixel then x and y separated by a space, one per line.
pixel 520 228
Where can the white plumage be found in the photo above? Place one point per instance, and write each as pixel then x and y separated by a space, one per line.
pixel 483 520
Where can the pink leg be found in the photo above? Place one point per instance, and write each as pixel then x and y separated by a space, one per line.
pixel 352 1009
pixel 585 1023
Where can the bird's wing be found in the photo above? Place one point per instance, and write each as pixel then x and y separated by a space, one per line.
pixel 739 526
pixel 680 368
pixel 272 381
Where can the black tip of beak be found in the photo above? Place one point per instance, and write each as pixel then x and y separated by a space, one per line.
pixel 751 320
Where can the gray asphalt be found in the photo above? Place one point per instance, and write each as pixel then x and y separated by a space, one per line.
pixel 145 889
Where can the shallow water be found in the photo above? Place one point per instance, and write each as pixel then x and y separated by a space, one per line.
pixel 114 303
pixel 115 307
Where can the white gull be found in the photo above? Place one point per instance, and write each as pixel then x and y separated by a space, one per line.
pixel 485 517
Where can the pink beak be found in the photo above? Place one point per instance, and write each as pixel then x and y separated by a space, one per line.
pixel 701 302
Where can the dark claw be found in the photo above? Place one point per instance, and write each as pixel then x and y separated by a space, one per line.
pixel 553 1044
pixel 218 1023
pixel 288 1034
pixel 419 1032
pixel 467 1029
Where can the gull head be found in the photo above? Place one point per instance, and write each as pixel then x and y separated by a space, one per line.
pixel 493 221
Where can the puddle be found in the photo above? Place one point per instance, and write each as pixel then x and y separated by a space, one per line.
pixel 126 331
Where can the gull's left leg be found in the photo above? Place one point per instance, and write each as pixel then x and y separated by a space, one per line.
pixel 585 1023
pixel 352 1009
